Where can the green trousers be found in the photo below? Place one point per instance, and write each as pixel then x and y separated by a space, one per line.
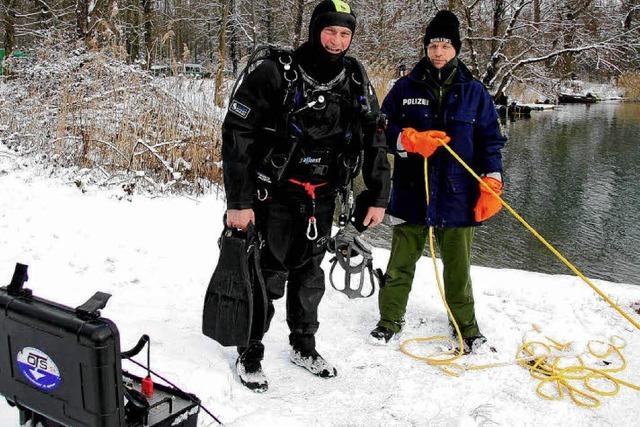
pixel 454 245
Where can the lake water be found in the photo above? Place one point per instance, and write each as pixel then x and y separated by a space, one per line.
pixel 574 174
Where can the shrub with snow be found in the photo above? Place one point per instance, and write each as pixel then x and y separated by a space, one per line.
pixel 90 110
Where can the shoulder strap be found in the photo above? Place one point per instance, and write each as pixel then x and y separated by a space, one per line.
pixel 359 76
pixel 281 56
pixel 290 74
pixel 258 54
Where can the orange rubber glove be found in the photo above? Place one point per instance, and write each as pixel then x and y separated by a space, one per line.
pixel 487 205
pixel 408 140
pixel 423 143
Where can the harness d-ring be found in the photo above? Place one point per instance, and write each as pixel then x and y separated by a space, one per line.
pixel 312 228
pixel 285 63
pixel 310 189
pixel 351 165
pixel 290 80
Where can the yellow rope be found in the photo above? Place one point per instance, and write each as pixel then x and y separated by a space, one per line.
pixel 543 241
pixel 546 368
pixel 443 359
pixel 576 380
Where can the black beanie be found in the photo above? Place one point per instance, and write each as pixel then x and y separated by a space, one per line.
pixel 443 27
pixel 328 13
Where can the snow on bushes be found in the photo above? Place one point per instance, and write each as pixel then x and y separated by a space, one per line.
pixel 89 111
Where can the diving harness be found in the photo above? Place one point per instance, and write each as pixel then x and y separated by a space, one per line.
pixel 355 257
pixel 288 132
pixel 353 254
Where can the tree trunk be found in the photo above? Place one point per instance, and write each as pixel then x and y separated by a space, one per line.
pixel 498 13
pixel 233 42
pixel 147 10
pixel 9 18
pixel 177 23
pixel 297 27
pixel 254 25
pixel 222 53
pixel 630 5
pixel 132 42
pixel 45 14
pixel 82 19
pixel 110 15
pixel 270 23
pixel 536 13
pixel 473 65
pixel 568 39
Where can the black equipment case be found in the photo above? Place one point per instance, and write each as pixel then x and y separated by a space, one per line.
pixel 62 366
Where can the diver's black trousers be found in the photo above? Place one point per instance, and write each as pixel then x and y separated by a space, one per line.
pixel 290 257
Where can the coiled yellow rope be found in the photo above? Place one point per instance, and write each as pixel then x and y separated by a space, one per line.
pixel 547 367
pixel 444 359
pixel 585 380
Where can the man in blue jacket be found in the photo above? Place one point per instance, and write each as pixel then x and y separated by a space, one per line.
pixel 439 103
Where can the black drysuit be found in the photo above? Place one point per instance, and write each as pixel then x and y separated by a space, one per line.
pixel 329 134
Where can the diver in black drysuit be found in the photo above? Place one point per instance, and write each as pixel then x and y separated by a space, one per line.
pixel 326 120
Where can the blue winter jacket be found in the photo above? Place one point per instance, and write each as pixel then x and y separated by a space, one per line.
pixel 470 119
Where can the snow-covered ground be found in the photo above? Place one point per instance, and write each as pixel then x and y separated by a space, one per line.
pixel 532 93
pixel 156 255
pixel 603 91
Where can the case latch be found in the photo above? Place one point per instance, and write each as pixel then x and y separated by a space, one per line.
pixel 91 308
pixel 20 276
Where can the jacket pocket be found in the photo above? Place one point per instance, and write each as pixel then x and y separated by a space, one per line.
pixel 462 117
pixel 459 184
pixel 417 117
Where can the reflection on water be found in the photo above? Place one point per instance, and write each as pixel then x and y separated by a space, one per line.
pixel 574 175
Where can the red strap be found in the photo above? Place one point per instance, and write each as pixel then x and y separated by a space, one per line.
pixel 308 187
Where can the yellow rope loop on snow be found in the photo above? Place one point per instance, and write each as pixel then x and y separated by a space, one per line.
pixel 545 368
pixel 578 380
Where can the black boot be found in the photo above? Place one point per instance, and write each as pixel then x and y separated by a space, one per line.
pixel 304 354
pixel 313 362
pixel 475 345
pixel 381 335
pixel 249 368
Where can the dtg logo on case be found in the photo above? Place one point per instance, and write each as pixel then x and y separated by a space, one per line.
pixel 38 368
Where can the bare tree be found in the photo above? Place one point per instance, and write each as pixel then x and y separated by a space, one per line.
pixel 95 21
pixel 82 19
pixel 297 29
pixel 631 9
pixel 148 14
pixel 575 35
pixel 9 19
pixel 529 41
pixel 222 53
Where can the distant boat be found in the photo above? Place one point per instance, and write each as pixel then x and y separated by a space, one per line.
pixel 572 98
pixel 514 111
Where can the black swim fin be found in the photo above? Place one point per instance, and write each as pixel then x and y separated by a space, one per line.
pixel 235 289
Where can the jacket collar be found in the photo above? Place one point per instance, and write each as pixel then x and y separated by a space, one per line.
pixel 419 72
